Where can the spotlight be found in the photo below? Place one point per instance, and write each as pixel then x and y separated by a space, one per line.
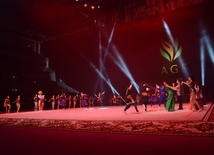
pixel 85 5
pixel 92 7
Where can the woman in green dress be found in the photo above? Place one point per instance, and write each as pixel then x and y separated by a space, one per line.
pixel 170 103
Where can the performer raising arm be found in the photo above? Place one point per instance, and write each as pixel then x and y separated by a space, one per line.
pixel 99 97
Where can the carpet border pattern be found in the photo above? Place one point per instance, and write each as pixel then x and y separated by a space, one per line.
pixel 187 128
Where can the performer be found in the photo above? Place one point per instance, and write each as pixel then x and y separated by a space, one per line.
pixel 188 83
pixel 17 101
pixel 145 95
pixel 80 99
pixel 192 90
pixel 154 97
pixel 75 98
pixel 58 101
pixel 41 100
pixel 203 96
pixel 85 100
pixel 119 99
pixel 198 95
pixel 129 99
pixel 179 96
pixel 99 97
pixel 63 101
pixel 137 99
pixel 170 103
pixel 69 101
pixel 35 99
pixel 52 100
pixel 162 96
pixel 114 99
pixel 91 101
pixel 7 104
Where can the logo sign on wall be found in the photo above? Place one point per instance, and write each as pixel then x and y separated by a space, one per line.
pixel 170 52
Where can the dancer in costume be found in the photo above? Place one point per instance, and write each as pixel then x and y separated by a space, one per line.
pixel 91 101
pixel 7 104
pixel 193 101
pixel 35 100
pixel 75 98
pixel 41 100
pixel 179 96
pixel 17 101
pixel 85 100
pixel 99 97
pixel 162 95
pixel 58 101
pixel 63 101
pixel 53 101
pixel 80 96
pixel 137 99
pixel 154 97
pixel 69 101
pixel 170 103
pixel 129 99
pixel 199 96
pixel 145 95
pixel 188 83
pixel 114 100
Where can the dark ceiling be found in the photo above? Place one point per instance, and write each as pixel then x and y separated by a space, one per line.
pixel 51 17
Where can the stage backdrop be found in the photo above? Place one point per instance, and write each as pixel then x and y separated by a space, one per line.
pixel 175 44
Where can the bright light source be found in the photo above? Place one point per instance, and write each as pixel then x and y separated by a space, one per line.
pixel 85 5
pixel 92 7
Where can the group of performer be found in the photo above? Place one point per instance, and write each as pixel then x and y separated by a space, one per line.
pixel 163 94
pixel 64 102
pixel 39 101
pixel 167 95
pixel 7 103
pixel 115 100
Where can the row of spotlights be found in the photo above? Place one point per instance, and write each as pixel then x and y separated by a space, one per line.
pixel 86 5
pixel 92 7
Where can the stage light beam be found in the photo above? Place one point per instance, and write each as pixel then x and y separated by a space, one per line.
pixel 202 62
pixel 122 66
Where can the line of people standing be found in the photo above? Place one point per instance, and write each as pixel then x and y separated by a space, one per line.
pixel 64 102
pixel 61 100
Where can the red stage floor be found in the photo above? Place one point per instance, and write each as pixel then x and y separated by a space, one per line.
pixel 113 113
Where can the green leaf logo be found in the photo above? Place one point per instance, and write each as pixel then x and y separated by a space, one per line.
pixel 170 52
